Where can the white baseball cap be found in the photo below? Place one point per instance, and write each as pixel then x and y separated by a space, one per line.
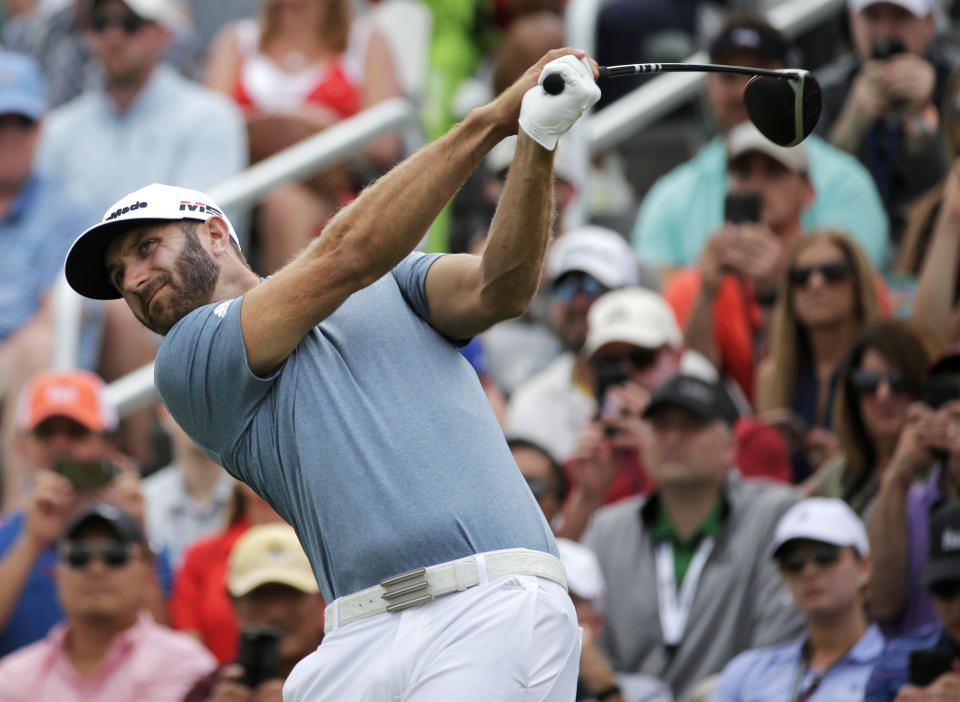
pixel 920 8
pixel 85 265
pixel 745 137
pixel 597 251
pixel 824 519
pixel 634 316
pixel 584 576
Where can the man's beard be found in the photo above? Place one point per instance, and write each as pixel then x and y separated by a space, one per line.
pixel 196 277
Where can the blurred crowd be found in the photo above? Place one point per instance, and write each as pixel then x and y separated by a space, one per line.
pixel 736 396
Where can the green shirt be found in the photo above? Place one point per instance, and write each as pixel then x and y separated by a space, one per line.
pixel 683 551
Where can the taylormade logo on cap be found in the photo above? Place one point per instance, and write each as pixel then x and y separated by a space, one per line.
pixel 124 210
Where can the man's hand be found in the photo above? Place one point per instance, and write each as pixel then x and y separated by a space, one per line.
pixel 713 260
pixel 912 455
pixel 594 669
pixel 545 117
pixel 908 78
pixel 756 252
pixel 594 465
pixel 868 94
pixel 230 689
pixel 51 504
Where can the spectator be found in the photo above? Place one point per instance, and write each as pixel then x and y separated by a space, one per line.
pixel 187 499
pixel 65 425
pixel 57 36
pixel 144 123
pixel 879 102
pixel 295 70
pixel 700 542
pixel 545 477
pixel 553 405
pixel 879 379
pixel 724 304
pixel 272 587
pixel 685 206
pixel 827 297
pixel 823 555
pixel 923 212
pixel 38 219
pixel 597 680
pixel 200 605
pixel 924 472
pixel 897 676
pixel 935 306
pixel 108 648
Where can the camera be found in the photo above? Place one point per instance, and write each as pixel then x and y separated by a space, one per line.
pixel 937 391
pixel 885 47
pixel 926 665
pixel 259 654
pixel 86 475
pixel 742 207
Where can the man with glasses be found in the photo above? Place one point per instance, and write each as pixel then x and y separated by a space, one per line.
pixel 553 405
pixel 694 555
pixel 821 550
pixel 924 666
pixel 65 426
pixel 144 123
pixel 108 647
pixel 724 304
pixel 923 474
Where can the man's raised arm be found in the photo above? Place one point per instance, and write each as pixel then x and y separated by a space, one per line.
pixel 376 231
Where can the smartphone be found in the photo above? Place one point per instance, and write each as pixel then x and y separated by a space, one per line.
pixel 937 391
pixel 926 665
pixel 86 475
pixel 259 654
pixel 885 47
pixel 742 207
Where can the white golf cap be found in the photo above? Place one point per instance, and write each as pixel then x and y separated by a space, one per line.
pixel 634 316
pixel 597 251
pixel 745 138
pixel 85 265
pixel 169 13
pixel 584 576
pixel 824 519
pixel 920 8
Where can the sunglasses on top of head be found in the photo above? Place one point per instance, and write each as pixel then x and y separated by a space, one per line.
pixel 835 272
pixel 568 285
pixel 78 554
pixel 129 22
pixel 794 560
pixel 867 382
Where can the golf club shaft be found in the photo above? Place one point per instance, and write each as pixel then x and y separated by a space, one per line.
pixel 633 69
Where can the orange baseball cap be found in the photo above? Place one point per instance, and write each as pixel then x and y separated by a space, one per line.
pixel 77 394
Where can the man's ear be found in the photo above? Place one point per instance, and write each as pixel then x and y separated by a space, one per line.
pixel 219 235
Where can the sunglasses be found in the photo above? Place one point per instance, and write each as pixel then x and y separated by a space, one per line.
pixel 539 488
pixel 945 589
pixel 72 430
pixel 795 560
pixel 129 23
pixel 835 272
pixel 17 121
pixel 638 359
pixel 78 554
pixel 867 382
pixel 569 285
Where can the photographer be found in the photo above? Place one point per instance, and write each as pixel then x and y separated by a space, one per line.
pixel 279 611
pixel 880 102
pixel 65 426
pixel 924 666
pixel 724 304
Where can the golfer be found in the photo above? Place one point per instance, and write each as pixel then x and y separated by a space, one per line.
pixel 335 390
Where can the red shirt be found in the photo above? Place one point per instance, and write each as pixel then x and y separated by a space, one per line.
pixel 200 601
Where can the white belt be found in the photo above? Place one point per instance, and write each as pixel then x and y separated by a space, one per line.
pixel 422 585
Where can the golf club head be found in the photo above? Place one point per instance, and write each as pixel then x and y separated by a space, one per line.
pixel 784 109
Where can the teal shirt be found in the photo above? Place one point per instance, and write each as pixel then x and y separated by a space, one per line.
pixel 685 206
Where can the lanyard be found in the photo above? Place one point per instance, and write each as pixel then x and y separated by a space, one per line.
pixel 795 693
pixel 675 607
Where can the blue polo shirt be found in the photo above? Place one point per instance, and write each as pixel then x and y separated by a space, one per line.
pixel 893 669
pixel 779 673
pixel 35 235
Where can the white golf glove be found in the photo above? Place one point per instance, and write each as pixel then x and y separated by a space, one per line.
pixel 547 117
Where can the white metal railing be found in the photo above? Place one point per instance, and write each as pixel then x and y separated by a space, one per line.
pixel 597 132
pixel 330 146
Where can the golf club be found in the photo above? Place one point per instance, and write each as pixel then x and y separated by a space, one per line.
pixel 784 104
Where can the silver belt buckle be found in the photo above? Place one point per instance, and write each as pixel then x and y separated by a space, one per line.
pixel 406 590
